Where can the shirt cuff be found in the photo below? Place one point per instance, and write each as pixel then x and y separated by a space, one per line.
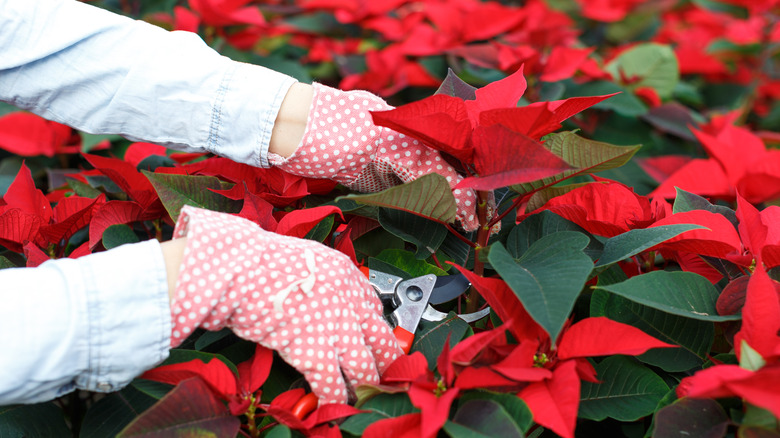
pixel 244 113
pixel 128 311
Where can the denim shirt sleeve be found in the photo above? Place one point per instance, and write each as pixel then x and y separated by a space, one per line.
pixel 92 323
pixel 104 73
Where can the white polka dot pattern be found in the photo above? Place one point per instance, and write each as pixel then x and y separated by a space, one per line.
pixel 296 296
pixel 342 143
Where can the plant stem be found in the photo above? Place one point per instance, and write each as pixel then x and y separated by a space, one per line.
pixel 460 236
pixel 483 234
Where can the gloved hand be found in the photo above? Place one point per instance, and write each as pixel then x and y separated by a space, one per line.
pixel 295 296
pixel 342 143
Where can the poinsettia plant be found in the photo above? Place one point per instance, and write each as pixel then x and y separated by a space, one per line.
pixel 623 156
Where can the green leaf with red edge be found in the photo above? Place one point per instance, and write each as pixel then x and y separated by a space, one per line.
pixel 628 391
pixel 679 293
pixel 522 159
pixel 438 121
pixel 693 417
pixel 600 336
pixel 189 410
pixel 432 335
pixel 429 196
pixel 548 277
pixel 454 86
pixel 732 297
pixel 176 191
pixel 583 155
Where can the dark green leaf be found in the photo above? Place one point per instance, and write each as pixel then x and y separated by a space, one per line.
pixel 585 156
pixel 684 294
pixel 382 406
pixel 117 235
pixel 429 196
pixel 628 391
pixel 430 337
pixel 155 390
pixel 152 162
pixel 541 224
pixel 548 277
pixel 457 249
pixel 5 263
pixel 691 417
pixel 693 336
pixel 626 104
pixel 39 420
pixel 83 189
pixel 633 242
pixel 455 87
pixel 210 337
pixel 176 191
pixel 426 235
pixel 482 418
pixel 279 431
pixel 113 412
pixel 687 201
pixel 179 355
pixel 322 229
pixel 406 261
pixel 89 141
pixel 189 410
pixel 512 404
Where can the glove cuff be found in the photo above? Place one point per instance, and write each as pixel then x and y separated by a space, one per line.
pixel 340 138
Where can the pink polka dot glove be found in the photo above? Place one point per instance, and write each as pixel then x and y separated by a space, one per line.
pixel 296 296
pixel 342 143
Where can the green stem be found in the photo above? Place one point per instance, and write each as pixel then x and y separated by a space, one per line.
pixel 483 234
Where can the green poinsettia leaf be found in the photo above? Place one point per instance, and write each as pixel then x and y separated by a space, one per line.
pixel 538 225
pixel 633 242
pixel 42 419
pixel 190 409
pixel 431 336
pixel 5 263
pixel 425 234
pixel 407 263
pixel 456 87
pixel 548 277
pixel 429 196
pixel 512 404
pixel 482 418
pixel 176 191
pixel 628 391
pixel 585 156
pixel 381 407
pixel 647 65
pixel 117 235
pixel 683 294
pixel 109 415
pixel 687 201
pixel 703 418
pixel 693 336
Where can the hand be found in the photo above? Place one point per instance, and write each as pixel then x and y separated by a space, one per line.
pixel 295 296
pixel 342 143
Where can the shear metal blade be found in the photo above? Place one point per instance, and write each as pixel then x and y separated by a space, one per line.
pixel 448 288
pixel 432 314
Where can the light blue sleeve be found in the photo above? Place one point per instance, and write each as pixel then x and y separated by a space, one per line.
pixel 103 73
pixel 92 323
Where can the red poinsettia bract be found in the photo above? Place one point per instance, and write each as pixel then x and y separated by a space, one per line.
pixel 757 378
pixel 488 125
pixel 552 370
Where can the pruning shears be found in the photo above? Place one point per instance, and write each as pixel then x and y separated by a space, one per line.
pixel 409 301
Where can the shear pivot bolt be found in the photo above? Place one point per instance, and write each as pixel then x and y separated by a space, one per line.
pixel 414 293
